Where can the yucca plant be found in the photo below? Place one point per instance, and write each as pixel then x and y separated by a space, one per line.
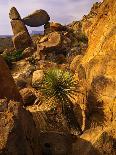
pixel 59 84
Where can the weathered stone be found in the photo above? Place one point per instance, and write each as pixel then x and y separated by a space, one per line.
pixel 22 40
pixel 51 41
pixel 18 134
pixel 28 96
pixel 37 18
pixel 8 88
pixel 14 14
pixel 37 77
pixel 18 26
pixel 52 26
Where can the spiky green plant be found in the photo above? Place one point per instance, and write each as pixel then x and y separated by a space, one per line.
pixel 60 85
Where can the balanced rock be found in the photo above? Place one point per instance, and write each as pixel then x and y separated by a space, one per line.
pixel 18 134
pixel 37 18
pixel 14 15
pixel 8 88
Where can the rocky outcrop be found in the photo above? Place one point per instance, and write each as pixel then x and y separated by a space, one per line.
pixel 18 133
pixel 53 45
pixel 21 38
pixel 99 67
pixel 99 141
pixel 8 88
pixel 37 18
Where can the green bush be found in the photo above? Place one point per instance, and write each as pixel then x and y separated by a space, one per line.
pixel 12 57
pixel 60 85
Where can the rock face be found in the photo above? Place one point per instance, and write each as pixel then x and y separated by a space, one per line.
pixel 8 88
pixel 37 18
pixel 21 38
pixel 97 141
pixel 98 64
pixel 18 133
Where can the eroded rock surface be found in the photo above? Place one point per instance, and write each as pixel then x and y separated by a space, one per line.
pixel 8 88
pixel 18 133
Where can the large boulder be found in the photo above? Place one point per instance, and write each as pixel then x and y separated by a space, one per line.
pixel 37 18
pixel 8 88
pixel 18 134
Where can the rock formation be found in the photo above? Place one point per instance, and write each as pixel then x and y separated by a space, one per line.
pixel 8 88
pixel 97 67
pixel 37 18
pixel 18 134
pixel 21 39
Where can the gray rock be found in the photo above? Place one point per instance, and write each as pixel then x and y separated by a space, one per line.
pixel 37 18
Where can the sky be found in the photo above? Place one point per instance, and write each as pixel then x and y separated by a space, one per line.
pixel 63 11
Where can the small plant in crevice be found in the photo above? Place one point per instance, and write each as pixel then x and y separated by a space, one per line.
pixel 59 84
pixel 12 57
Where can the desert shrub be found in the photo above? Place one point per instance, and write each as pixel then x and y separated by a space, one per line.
pixel 12 57
pixel 59 84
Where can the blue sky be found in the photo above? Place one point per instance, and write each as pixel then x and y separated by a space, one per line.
pixel 63 11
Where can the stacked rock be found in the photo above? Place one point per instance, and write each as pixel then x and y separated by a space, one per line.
pixel 21 38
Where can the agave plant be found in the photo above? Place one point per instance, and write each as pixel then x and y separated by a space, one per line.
pixel 59 84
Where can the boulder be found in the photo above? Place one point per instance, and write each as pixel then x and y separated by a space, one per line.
pixel 22 40
pixel 8 88
pixel 14 15
pixel 52 26
pixel 28 96
pixel 37 77
pixel 49 42
pixel 18 134
pixel 37 18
